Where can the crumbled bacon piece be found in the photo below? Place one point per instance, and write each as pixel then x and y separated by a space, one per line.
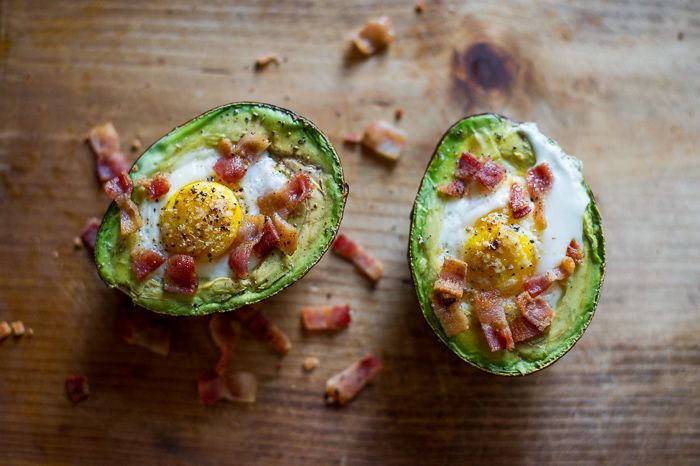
pixel 488 306
pixel 130 219
pixel 250 146
pixel 352 138
pixel 260 326
pixel 158 186
pixel 77 388
pixel 89 234
pixel 538 284
pixel 288 234
pixel 264 60
pixel 239 387
pixel 384 139
pixel 490 174
pixel 287 199
pixel 344 386
pixel 230 169
pixel 522 329
pixel 535 310
pixel 374 36
pixel 145 261
pixel 539 180
pixel 268 241
pixel 419 7
pixel 17 328
pixel 566 268
pixel 398 114
pixel 104 141
pixel 225 147
pixel 452 278
pixel 454 188
pixel 450 315
pixel 467 167
pixel 224 330
pixel 118 186
pixel 144 329
pixel 363 260
pixel 310 363
pixel 5 330
pixel 249 232
pixel 180 275
pixel 575 251
pixel 519 207
pixel 326 317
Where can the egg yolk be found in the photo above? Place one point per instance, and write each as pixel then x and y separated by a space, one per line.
pixel 200 220
pixel 499 254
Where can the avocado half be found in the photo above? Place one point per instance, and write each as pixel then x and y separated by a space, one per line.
pixel 291 136
pixel 499 138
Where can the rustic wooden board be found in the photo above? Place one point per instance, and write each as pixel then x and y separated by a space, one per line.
pixel 616 83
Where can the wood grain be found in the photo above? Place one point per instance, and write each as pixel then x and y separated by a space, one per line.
pixel 614 82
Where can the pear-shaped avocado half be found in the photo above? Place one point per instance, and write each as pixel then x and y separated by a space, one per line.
pixel 211 213
pixel 472 222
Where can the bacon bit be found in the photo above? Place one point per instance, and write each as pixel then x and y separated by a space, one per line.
pixel 264 60
pixel 30 332
pixel 17 328
pixel 260 326
pixel 490 174
pixel 250 146
pixel 5 330
pixel 120 185
pixel 249 234
pixel 104 141
pixel 519 207
pixel 420 7
pixel 575 251
pixel 224 330
pixel 384 139
pixel 77 388
pixel 344 386
pixel 130 219
pixel 374 36
pixel 566 268
pixel 180 275
pixel 326 317
pixel 225 147
pixel 111 165
pixel 467 167
pixel 268 241
pixel 239 387
pixel 539 180
pixel 522 329
pixel 538 284
pixel 363 260
pixel 89 234
pixel 287 199
pixel 288 234
pixel 135 144
pixel 352 138
pixel 398 114
pixel 450 315
pixel 452 278
pixel 144 329
pixel 535 310
pixel 489 310
pixel 145 261
pixel 230 169
pixel 158 186
pixel 310 363
pixel 454 188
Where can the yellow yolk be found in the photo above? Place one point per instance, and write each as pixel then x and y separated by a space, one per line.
pixel 499 254
pixel 200 220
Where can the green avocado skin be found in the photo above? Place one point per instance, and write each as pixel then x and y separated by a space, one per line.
pixel 291 136
pixel 498 137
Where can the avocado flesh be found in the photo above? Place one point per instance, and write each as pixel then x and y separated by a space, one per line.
pixel 498 137
pixel 296 142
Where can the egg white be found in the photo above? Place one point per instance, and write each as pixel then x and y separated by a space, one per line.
pixel 262 177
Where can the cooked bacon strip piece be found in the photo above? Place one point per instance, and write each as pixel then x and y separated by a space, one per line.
pixel 225 147
pixel 250 146
pixel 575 251
pixel 130 219
pixel 535 310
pixel 467 167
pixel 89 234
pixel 264 60
pixel 352 138
pixel 326 317
pixel 310 363
pixel 489 310
pixel 118 186
pixel 236 159
pixel 224 330
pixel 230 169
pixel 238 386
pixel 288 234
pixel 519 207
pixel 539 180
pixel 374 36
pixel 344 386
pixel 522 329
pixel 260 326
pixel 268 241
pixel 454 188
pixel 566 268
pixel 77 388
pixel 538 284
pixel 157 186
pixel 452 278
pixel 249 233
pixel 363 260
pixel 145 261
pixel 180 275
pixel 111 165
pixel 141 328
pixel 287 199
pixel 490 174
pixel 5 330
pixel 450 315
pixel 384 139
pixel 104 141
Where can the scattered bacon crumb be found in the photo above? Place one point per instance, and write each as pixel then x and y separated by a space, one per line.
pixel 454 188
pixel 539 180
pixel 157 186
pixel 118 186
pixel 490 174
pixel 104 141
pixel 262 61
pixel 225 147
pixel 352 138
pixel 250 146
pixel 450 315
pixel 30 332
pixel 225 331
pixel 89 234
pixel 467 167
pixel 145 261
pixel 374 36
pixel 5 330
pixel 488 306
pixel 260 326
pixel 135 144
pixel 344 386
pixel 310 363
pixel 564 270
pixel 326 317
pixel 398 114
pixel 230 169
pixel 535 310
pixel 420 7
pixel 180 275
pixel 17 328
pixel 384 139
pixel 575 251
pixel 77 388
pixel 363 260
pixel 130 219
pixel 288 234
pixel 77 242
pixel 452 278
pixel 538 284
pixel 239 387
pixel 141 328
pixel 519 207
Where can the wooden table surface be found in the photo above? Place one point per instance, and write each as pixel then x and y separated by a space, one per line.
pixel 616 83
